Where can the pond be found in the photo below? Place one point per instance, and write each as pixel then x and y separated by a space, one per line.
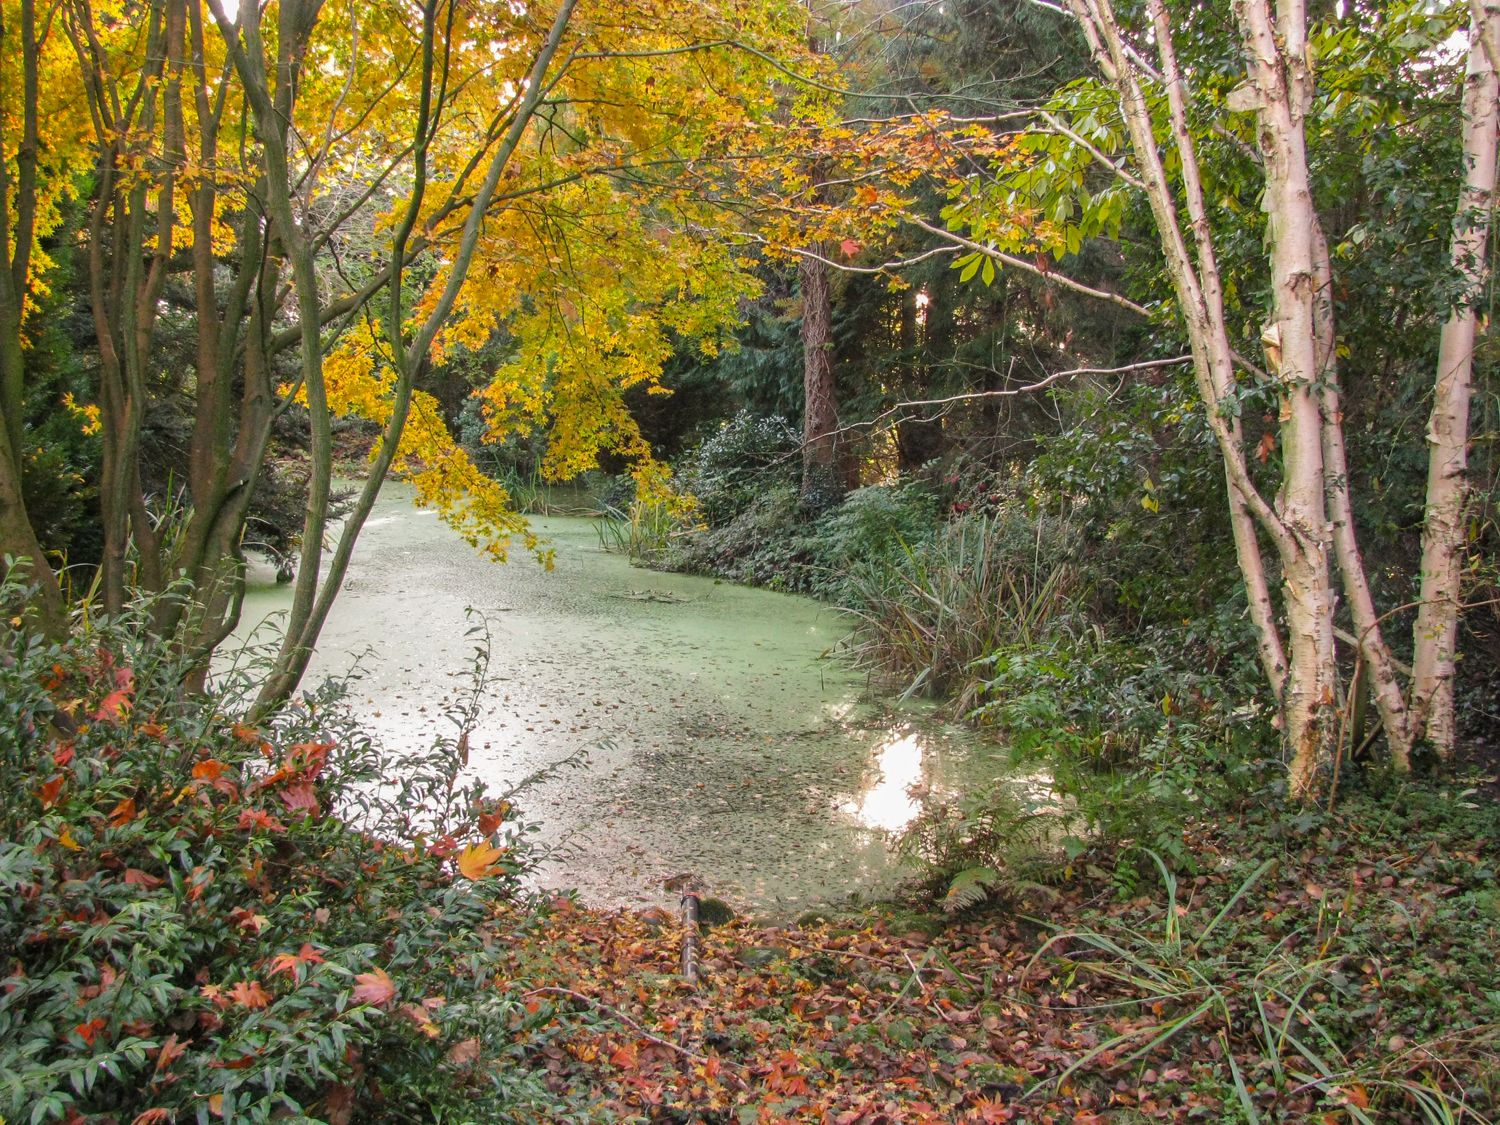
pixel 721 736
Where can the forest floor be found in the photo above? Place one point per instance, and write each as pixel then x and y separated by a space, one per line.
pixel 1320 967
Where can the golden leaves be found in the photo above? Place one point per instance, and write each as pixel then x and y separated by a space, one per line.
pixel 479 860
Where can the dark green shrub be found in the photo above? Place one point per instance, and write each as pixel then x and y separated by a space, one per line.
pixel 876 523
pixel 763 545
pixel 747 457
pixel 207 921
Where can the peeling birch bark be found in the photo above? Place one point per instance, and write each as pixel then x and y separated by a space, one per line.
pixel 1276 58
pixel 1435 633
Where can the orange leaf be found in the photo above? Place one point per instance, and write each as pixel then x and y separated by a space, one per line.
pixel 259 818
pixel 142 878
pixel 171 1048
pixel 464 1052
pixel 250 994
pixel 208 770
pixel 374 988
pixel 419 1016
pixel 116 704
pixel 123 813
pixel 491 818
pixel 291 962
pixel 216 1104
pixel 154 1116
pixel 48 792
pixel 479 860
pixel 87 1031
pixel 299 796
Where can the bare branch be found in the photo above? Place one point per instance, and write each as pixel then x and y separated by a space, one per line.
pixel 1011 392
pixel 1063 280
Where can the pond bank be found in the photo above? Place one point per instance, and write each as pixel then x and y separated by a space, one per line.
pixel 720 738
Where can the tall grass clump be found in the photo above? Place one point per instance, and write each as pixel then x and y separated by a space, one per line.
pixel 927 612
pixel 1272 1020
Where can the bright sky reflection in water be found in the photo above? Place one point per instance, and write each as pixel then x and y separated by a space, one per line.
pixel 889 804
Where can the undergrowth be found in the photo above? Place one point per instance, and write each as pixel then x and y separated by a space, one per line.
pixel 209 921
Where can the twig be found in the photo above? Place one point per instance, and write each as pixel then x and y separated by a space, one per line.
pixel 690 938
pixel 1020 263
pixel 552 990
pixel 1012 392
pixel 888 963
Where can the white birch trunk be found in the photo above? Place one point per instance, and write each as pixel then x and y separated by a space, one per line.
pixel 1436 630
pixel 1200 297
pixel 1276 57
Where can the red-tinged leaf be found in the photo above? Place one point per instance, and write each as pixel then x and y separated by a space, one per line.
pixel 338 1104
pixel 250 994
pixel 48 793
pixel 153 1116
pixel 259 818
pixel 244 1062
pixel 491 817
pixel 1266 447
pixel 442 847
pixel 208 770
pixel 299 797
pixel 216 1104
pixel 171 1049
pixel 88 1031
pixel 375 988
pixel 479 860
pixel 244 733
pixel 290 962
pixel 136 877
pixel 464 1053
pixel 114 706
pixel 850 248
pixel 123 813
pixel 422 1019
pixel 63 754
pixel 248 919
pixel 152 730
pixel 309 757
pixel 625 1056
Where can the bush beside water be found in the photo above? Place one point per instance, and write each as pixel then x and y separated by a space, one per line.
pixel 210 921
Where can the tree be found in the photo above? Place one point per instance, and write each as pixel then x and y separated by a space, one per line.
pixel 1310 523
pixel 353 188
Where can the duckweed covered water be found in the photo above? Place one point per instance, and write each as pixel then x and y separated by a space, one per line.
pixel 720 737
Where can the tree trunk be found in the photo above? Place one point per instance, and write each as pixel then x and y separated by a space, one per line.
pixel 1435 632
pixel 821 480
pixel 18 190
pixel 1276 59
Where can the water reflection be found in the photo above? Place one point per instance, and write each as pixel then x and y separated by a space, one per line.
pixel 894 800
